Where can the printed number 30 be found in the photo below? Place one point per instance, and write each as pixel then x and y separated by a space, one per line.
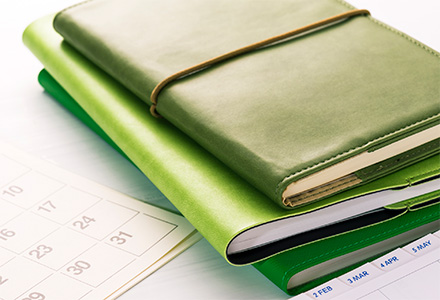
pixel 78 267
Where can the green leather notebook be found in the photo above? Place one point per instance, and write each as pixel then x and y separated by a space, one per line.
pixel 301 119
pixel 219 203
pixel 303 268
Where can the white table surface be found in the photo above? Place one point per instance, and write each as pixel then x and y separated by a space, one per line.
pixel 32 121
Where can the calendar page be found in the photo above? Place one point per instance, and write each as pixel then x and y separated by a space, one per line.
pixel 410 272
pixel 65 237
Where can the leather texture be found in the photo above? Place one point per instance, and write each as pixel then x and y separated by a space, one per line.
pixel 214 199
pixel 280 268
pixel 274 115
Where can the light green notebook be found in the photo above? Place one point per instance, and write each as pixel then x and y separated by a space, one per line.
pixel 295 271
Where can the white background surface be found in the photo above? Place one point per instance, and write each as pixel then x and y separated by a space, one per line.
pixel 32 121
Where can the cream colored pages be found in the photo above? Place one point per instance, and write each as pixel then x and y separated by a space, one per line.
pixel 65 237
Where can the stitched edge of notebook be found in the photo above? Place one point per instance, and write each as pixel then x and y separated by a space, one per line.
pixel 69 8
pixel 417 199
pixel 414 179
pixel 356 243
pixel 401 34
pixel 351 150
pixel 334 187
pixel 394 30
pixel 392 162
pixel 420 200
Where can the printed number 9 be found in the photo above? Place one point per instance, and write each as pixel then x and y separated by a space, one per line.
pixel 35 296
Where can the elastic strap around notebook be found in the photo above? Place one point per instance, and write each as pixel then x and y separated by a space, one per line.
pixel 246 49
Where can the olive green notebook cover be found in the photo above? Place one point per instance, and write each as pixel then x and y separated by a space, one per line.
pixel 281 117
pixel 283 269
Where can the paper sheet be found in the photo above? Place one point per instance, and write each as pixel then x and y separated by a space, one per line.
pixel 65 237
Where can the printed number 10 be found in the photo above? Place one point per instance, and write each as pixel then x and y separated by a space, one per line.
pixel 12 190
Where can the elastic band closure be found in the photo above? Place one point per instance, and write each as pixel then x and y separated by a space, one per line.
pixel 263 43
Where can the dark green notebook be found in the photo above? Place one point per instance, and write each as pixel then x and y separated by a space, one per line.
pixel 291 270
pixel 301 119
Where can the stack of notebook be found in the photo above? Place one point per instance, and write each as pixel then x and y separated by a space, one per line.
pixel 303 147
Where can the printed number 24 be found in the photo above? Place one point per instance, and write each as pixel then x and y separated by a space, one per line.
pixel 84 223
